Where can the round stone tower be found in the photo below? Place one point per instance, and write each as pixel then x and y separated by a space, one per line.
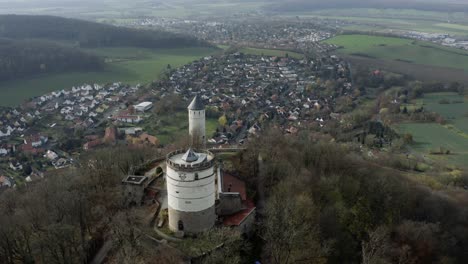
pixel 196 112
pixel 191 190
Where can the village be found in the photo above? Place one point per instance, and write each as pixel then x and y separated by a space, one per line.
pixel 243 94
pixel 265 33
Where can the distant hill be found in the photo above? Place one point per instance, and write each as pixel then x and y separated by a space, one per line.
pixel 310 5
pixel 23 58
pixel 89 34
pixel 32 45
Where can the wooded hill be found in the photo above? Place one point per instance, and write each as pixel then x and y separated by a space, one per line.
pixel 32 45
pixel 89 34
pixel 20 58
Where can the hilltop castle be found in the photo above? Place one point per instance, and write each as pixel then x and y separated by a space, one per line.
pixel 199 193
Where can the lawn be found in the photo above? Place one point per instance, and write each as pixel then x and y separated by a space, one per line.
pixel 401 50
pixel 431 137
pixel 129 65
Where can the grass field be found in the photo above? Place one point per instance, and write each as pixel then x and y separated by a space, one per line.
pixel 129 65
pixel 457 109
pixel 383 20
pixel 431 137
pixel 452 136
pixel 402 50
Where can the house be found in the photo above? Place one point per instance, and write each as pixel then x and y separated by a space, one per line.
pixel 60 163
pixel 4 150
pixel 5 134
pixel 131 119
pixel 92 144
pixel 235 209
pixel 36 140
pixel 16 166
pixel 50 155
pixel 244 220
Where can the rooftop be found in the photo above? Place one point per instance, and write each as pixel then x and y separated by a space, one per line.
pixel 136 180
pixel 190 159
pixel 144 104
pixel 196 104
pixel 190 156
pixel 237 218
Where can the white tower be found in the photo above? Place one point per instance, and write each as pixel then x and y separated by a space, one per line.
pixel 191 190
pixel 196 111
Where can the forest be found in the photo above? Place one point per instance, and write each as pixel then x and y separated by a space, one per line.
pixel 318 202
pixel 89 34
pixel 327 203
pixel 22 58
pixel 34 45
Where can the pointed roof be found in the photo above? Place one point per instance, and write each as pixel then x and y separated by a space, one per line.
pixel 196 104
pixel 190 156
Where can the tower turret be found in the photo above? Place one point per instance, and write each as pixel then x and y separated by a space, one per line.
pixel 196 111
pixel 191 191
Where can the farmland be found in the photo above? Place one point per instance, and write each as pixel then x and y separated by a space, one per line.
pixel 380 20
pixel 434 137
pixel 129 65
pixel 403 50
pixel 452 136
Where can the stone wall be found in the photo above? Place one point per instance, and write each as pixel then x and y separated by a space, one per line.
pixel 229 203
pixel 193 222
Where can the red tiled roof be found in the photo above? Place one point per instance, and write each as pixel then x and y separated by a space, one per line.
pixel 238 218
pixel 235 185
pixel 92 144
pixel 27 148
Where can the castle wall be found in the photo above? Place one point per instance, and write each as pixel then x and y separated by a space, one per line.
pixel 192 222
pixel 229 203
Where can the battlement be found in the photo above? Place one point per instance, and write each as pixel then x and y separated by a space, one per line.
pixel 174 160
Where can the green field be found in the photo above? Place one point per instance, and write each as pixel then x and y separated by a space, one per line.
pixel 452 136
pixel 457 109
pixel 384 20
pixel 431 137
pixel 401 50
pixel 129 65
